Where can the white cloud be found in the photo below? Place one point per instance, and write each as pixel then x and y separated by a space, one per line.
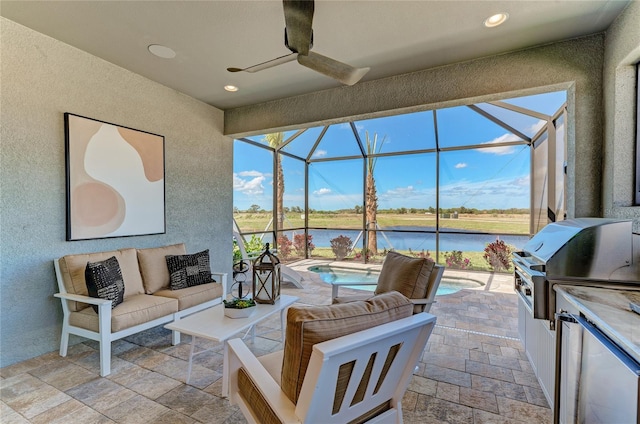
pixel 398 192
pixel 522 181
pixel 319 153
pixel 333 201
pixel 461 165
pixel 249 186
pixel 391 196
pixel 500 150
pixel 251 173
pixel 488 194
pixel 408 197
pixel 347 126
pixel 533 129
pixel 322 192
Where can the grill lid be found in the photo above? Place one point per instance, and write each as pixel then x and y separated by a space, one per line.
pixel 548 241
pixel 582 247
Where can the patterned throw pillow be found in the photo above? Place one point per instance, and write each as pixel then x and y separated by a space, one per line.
pixel 189 270
pixel 104 280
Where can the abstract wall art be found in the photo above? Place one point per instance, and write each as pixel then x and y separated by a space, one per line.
pixel 115 180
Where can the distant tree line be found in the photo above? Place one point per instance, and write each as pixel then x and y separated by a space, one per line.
pixel 460 210
pixel 357 209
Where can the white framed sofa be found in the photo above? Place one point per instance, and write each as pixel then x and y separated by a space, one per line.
pixel 148 298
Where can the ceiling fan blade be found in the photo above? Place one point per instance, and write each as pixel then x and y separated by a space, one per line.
pixel 342 72
pixel 265 65
pixel 298 19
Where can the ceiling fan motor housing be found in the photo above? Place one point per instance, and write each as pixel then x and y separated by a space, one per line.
pixel 286 41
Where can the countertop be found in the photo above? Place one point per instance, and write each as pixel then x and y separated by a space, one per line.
pixel 608 309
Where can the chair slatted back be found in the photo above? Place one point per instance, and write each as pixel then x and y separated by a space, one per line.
pixel 350 376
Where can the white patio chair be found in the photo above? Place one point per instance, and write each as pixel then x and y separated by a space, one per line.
pixel 360 377
pixel 412 277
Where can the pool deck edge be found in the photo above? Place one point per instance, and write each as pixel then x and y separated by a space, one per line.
pixel 492 282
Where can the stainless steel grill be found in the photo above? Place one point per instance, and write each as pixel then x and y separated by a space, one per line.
pixel 575 251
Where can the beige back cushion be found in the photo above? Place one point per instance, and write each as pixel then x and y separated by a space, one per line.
pixel 72 268
pixel 308 325
pixel 153 266
pixel 407 275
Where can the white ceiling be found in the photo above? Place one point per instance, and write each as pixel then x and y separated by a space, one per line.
pixel 390 36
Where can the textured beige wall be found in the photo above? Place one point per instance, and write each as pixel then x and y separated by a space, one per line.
pixel 42 78
pixel 622 52
pixel 575 65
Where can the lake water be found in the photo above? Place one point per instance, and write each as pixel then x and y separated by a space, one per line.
pixel 460 240
pixel 331 274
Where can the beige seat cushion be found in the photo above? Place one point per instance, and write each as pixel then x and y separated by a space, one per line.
pixel 72 269
pixel 192 296
pixel 405 274
pixel 351 298
pixel 308 325
pixel 137 309
pixel 272 363
pixel 153 266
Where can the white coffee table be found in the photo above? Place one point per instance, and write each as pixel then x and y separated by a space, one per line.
pixel 212 324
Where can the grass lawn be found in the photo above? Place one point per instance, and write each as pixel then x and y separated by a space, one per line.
pixel 491 223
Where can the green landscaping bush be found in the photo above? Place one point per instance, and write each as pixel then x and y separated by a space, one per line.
pixel 253 246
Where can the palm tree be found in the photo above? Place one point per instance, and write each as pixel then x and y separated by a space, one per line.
pixel 371 197
pixel 275 140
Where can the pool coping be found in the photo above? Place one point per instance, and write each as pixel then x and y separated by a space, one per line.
pixel 493 282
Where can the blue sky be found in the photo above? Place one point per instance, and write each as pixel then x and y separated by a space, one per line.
pixel 482 178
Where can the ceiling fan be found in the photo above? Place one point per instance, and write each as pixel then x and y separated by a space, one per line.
pixel 298 37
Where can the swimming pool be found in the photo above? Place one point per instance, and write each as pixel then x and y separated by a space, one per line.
pixel 332 274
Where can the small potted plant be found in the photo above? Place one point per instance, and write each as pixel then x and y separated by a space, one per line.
pixel 239 308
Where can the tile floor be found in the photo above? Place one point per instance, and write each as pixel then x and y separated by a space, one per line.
pixel 474 370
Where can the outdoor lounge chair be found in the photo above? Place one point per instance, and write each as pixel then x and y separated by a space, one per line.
pixel 416 278
pixel 360 376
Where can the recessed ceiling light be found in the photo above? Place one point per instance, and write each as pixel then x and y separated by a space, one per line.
pixel 231 88
pixel 162 51
pixel 495 20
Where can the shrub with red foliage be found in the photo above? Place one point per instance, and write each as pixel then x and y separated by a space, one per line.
pixel 498 255
pixel 284 246
pixel 299 242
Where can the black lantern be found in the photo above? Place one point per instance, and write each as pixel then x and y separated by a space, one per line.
pixel 266 277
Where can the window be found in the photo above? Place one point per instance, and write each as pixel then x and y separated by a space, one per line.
pixel 439 183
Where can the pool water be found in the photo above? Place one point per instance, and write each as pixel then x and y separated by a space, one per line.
pixel 344 275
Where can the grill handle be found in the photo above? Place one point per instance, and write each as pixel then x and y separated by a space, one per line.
pixel 562 316
pixel 519 259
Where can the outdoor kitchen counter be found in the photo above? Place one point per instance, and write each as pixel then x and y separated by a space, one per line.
pixel 609 310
